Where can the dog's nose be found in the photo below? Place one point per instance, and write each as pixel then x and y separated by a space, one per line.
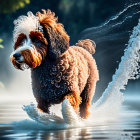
pixel 17 56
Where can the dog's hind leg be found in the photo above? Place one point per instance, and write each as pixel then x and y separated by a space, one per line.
pixel 75 100
pixel 86 96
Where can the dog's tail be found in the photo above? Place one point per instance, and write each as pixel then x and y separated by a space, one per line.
pixel 87 44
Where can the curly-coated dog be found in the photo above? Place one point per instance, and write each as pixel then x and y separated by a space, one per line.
pixel 57 70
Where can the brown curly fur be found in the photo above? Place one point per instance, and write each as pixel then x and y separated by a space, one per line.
pixel 48 18
pixel 21 37
pixel 75 100
pixel 59 71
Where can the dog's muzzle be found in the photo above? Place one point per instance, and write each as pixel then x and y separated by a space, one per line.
pixel 26 58
pixel 18 61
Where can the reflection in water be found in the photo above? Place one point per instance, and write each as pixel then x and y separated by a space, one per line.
pixel 126 127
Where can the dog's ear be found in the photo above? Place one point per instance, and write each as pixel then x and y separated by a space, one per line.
pixel 57 43
pixel 57 38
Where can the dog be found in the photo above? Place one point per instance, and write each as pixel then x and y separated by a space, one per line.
pixel 58 71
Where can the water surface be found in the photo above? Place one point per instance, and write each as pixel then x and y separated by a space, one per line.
pixel 126 127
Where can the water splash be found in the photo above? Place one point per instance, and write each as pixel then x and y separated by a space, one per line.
pixel 119 15
pixel 116 31
pixel 128 69
pixel 52 121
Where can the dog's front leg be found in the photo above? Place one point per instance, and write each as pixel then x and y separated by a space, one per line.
pixel 74 99
pixel 43 106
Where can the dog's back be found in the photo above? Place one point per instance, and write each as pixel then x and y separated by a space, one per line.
pixel 88 73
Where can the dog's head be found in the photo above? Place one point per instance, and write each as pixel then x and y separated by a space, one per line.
pixel 38 37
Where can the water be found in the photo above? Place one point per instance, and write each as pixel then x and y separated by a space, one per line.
pixel 109 119
pixel 126 127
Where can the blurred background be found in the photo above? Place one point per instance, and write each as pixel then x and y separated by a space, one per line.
pixel 79 18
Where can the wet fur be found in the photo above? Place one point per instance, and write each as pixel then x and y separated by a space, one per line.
pixel 59 71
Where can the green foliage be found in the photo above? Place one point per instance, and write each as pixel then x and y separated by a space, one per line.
pixel 9 6
pixel 66 5
pixel 1 46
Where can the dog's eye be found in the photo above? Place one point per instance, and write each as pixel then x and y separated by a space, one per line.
pixel 23 41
